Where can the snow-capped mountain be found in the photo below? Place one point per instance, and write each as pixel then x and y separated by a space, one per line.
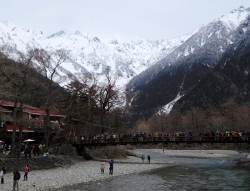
pixel 156 73
pixel 181 70
pixel 89 54
pixel 208 43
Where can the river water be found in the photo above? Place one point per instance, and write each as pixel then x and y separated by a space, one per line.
pixel 191 174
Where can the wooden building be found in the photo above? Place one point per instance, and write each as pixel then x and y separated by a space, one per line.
pixel 31 120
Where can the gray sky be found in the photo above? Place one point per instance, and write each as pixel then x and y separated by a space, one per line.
pixel 152 19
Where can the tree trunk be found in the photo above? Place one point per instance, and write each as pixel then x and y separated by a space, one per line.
pixel 47 128
pixel 102 123
pixel 20 139
pixel 13 139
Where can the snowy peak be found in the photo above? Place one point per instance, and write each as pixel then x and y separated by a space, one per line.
pixel 235 17
pixel 58 34
pixel 66 33
pixel 8 24
pixel 214 37
pixel 11 28
pixel 89 53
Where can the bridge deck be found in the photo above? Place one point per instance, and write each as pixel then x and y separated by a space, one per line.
pixel 165 140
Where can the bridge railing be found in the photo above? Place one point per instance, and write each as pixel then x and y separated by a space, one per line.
pixel 168 139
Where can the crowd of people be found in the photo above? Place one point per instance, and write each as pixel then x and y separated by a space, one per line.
pixel 26 150
pixel 172 136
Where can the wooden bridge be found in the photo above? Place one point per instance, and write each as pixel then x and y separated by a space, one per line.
pixel 163 140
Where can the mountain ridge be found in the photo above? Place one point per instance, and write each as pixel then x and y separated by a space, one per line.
pixel 181 70
pixel 90 54
pixel 156 73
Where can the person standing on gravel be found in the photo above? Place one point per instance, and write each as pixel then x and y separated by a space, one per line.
pixel 143 158
pixel 2 176
pixel 148 159
pixel 2 173
pixel 102 167
pixel 16 177
pixel 111 166
pixel 26 171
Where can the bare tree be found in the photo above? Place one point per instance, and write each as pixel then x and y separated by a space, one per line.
pixel 107 97
pixel 5 52
pixel 76 107
pixel 16 78
pixel 94 102
pixel 193 119
pixel 49 64
pixel 176 121
pixel 142 126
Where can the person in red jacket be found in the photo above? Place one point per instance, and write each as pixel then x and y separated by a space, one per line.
pixel 26 171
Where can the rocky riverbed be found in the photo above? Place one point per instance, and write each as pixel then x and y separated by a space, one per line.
pixel 81 171
pixel 244 162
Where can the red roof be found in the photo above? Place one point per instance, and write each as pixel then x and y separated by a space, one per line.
pixel 6 103
pixel 29 109
pixel 9 128
pixel 5 110
pixel 38 111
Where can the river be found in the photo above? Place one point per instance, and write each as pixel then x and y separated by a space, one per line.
pixel 190 174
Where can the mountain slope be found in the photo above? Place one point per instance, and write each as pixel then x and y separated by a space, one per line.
pixel 180 71
pixel 229 79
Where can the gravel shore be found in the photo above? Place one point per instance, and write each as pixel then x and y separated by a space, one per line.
pixel 86 171
pixel 197 153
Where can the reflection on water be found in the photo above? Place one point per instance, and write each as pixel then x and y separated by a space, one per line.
pixel 199 175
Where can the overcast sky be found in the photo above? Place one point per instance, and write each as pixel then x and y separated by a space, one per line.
pixel 152 19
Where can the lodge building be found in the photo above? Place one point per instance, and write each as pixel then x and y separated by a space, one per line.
pixel 31 120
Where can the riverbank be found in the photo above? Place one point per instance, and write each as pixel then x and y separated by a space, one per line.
pixel 87 171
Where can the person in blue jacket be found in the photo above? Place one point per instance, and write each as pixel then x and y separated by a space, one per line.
pixel 111 166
